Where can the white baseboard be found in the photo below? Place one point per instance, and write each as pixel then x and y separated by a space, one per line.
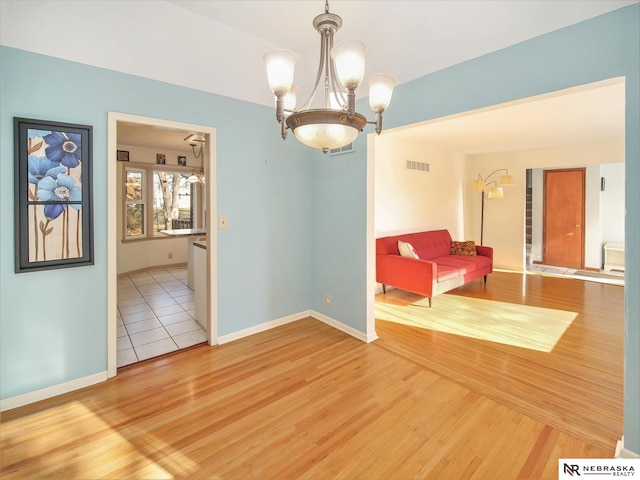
pixel 292 318
pixel 52 391
pixel 622 452
pixel 262 327
pixel 344 328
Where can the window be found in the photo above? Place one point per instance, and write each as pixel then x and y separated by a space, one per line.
pixel 134 203
pixel 171 201
pixel 157 200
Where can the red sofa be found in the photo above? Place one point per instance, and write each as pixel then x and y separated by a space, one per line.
pixel 436 270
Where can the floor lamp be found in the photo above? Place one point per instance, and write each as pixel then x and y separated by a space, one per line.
pixel 482 184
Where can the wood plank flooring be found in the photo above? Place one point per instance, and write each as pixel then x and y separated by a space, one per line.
pixel 577 387
pixel 307 401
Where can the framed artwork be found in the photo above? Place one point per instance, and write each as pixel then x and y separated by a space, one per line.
pixel 182 161
pixel 123 156
pixel 161 158
pixel 53 198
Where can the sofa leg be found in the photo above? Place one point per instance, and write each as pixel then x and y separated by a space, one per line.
pixel 485 279
pixel 384 288
pixel 429 302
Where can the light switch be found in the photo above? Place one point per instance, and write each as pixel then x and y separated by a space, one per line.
pixel 222 222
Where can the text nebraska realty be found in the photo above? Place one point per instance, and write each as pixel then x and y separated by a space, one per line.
pixel 613 470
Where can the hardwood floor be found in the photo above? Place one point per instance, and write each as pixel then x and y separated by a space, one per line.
pixel 307 401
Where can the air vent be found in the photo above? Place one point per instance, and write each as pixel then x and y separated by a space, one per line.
pixel 346 149
pixel 420 166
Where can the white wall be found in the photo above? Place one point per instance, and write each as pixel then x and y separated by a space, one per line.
pixel 505 219
pixel 611 201
pixel 411 200
pixel 140 254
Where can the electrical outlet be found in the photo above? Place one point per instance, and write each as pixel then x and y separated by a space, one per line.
pixel 170 255
pixel 222 222
pixel 327 299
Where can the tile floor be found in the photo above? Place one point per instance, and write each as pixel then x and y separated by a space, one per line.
pixel 155 314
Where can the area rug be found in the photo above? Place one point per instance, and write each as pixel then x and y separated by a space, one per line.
pixel 510 324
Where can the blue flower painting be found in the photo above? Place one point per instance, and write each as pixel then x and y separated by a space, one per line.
pixel 54 226
pixel 54 167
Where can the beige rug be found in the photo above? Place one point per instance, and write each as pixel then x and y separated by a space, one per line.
pixel 510 324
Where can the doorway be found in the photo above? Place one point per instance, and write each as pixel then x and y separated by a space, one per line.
pixel 113 236
pixel 563 230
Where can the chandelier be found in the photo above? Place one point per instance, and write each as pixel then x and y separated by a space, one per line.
pixel 197 174
pixel 340 72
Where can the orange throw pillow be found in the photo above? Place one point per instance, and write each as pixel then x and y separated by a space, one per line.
pixel 467 248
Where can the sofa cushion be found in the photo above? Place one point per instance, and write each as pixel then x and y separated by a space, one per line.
pixel 447 273
pixel 406 250
pixel 458 262
pixel 467 248
pixel 480 261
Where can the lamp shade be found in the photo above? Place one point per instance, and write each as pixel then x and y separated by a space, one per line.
pixel 325 129
pixel 478 185
pixel 290 98
pixel 280 66
pixel 380 90
pixel 506 180
pixel 496 192
pixel 326 135
pixel 348 57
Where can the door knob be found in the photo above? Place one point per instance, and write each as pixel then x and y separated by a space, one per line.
pixel 577 225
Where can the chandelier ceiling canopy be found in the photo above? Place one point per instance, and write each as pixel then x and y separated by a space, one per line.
pixel 340 73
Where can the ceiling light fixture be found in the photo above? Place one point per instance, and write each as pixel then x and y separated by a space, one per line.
pixel 341 70
pixel 197 174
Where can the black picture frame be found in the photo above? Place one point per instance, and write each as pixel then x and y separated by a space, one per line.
pixel 53 195
pixel 123 155
pixel 182 161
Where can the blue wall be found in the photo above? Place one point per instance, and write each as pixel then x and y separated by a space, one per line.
pixel 605 47
pixel 53 324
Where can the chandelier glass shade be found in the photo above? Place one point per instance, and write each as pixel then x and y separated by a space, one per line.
pixel 340 73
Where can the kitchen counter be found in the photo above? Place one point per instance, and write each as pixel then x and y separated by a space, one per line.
pixel 193 234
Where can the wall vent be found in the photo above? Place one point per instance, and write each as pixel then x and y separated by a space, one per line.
pixel 420 166
pixel 346 149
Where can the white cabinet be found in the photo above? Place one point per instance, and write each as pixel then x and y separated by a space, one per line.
pixel 614 257
pixel 200 281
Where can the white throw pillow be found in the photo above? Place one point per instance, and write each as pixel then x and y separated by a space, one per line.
pixel 406 249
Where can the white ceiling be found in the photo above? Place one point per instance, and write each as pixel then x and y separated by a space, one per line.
pixel 140 135
pixel 406 38
pixel 586 114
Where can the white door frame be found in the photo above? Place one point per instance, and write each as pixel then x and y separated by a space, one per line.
pixel 112 206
